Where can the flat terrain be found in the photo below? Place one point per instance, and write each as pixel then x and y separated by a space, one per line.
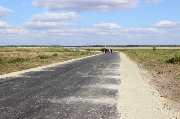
pixel 86 88
pixel 105 86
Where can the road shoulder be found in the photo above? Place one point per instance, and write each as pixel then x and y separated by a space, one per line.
pixel 138 99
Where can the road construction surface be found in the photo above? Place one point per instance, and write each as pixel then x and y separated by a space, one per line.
pixel 81 89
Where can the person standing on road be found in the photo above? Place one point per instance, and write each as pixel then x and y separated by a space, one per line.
pixel 111 50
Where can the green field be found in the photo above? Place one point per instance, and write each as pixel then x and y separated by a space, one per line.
pixel 15 59
pixel 165 61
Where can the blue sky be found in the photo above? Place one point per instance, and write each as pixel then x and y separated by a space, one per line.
pixel 92 22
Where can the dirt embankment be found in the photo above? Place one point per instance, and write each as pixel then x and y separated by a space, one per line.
pixel 165 83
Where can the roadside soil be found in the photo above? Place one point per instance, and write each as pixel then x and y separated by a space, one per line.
pixel 141 94
pixel 165 82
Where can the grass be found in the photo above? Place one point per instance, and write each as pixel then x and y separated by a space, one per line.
pixel 164 62
pixel 1 60
pixel 177 77
pixel 155 57
pixel 15 59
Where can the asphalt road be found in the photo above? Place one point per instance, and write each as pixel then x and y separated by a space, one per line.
pixel 82 89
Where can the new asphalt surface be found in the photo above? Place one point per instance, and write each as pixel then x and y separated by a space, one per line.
pixel 81 89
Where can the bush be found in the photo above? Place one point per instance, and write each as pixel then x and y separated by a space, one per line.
pixel 83 53
pixel 43 57
pixel 154 48
pixel 17 60
pixel 174 60
pixel 55 55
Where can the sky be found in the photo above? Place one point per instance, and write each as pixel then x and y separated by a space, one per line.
pixel 89 22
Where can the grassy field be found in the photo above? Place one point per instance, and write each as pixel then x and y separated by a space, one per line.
pixel 15 59
pixel 164 62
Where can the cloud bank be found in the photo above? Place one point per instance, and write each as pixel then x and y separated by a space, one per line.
pixel 47 20
pixel 47 16
pixel 7 29
pixel 53 32
pixel 82 5
pixel 166 23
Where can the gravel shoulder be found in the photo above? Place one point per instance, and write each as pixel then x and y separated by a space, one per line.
pixel 138 98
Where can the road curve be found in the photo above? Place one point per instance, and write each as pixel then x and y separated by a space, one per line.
pixel 82 89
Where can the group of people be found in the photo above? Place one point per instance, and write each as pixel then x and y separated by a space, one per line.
pixel 106 50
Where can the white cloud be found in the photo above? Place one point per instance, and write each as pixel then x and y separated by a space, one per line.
pixel 46 21
pixel 7 29
pixel 166 23
pixel 13 31
pixel 46 16
pixel 111 29
pixel 81 5
pixel 62 32
pixel 3 24
pixel 47 25
pixel 4 12
pixel 107 25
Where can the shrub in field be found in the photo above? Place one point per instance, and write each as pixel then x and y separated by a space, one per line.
pixel 17 60
pixel 83 53
pixel 43 56
pixel 174 60
pixel 154 48
pixel 55 55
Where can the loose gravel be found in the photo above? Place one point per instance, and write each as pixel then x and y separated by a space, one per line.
pixel 138 99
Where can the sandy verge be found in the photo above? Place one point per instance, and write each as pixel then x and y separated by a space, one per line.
pixel 138 99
